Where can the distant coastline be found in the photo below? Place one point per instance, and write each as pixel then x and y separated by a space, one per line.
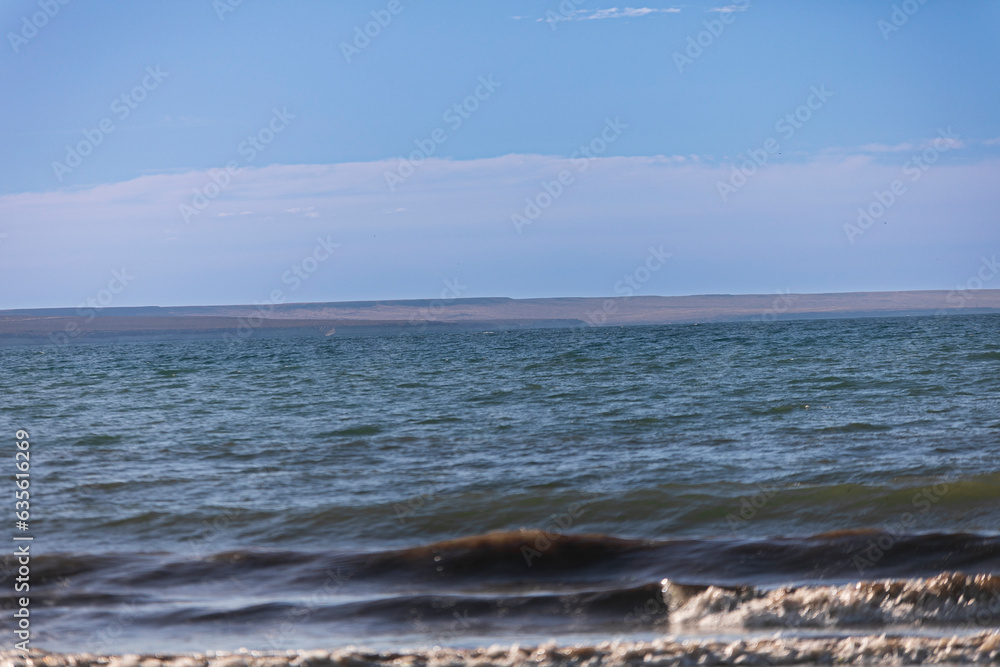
pixel 235 322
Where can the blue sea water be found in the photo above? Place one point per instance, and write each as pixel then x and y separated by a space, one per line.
pixel 209 489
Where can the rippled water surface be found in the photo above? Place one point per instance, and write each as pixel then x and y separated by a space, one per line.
pixel 204 492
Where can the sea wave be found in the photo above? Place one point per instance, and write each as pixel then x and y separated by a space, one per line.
pixel 951 598
pixel 515 559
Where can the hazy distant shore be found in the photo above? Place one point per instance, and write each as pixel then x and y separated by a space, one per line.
pixel 93 324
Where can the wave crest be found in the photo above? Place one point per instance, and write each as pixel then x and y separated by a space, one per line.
pixel 949 598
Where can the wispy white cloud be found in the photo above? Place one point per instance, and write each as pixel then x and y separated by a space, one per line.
pixel 940 142
pixel 610 13
pixel 731 8
pixel 887 148
pixel 790 216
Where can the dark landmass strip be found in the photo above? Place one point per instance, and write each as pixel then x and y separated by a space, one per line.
pixel 154 323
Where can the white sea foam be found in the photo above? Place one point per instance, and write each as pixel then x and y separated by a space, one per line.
pixel 949 598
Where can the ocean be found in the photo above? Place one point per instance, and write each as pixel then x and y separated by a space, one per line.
pixel 467 489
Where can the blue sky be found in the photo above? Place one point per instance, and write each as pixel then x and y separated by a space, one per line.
pixel 646 110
